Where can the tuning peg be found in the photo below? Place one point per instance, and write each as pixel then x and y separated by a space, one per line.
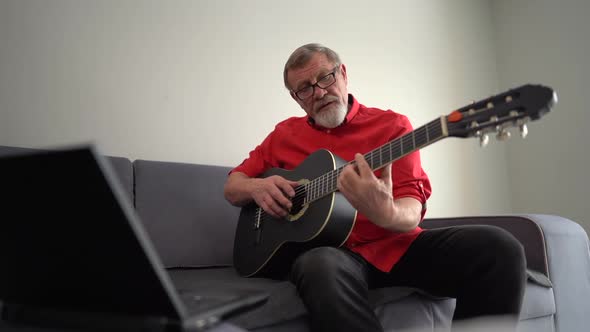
pixel 484 139
pixel 524 130
pixel 503 135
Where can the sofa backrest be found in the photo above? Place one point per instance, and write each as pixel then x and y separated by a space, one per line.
pixel 122 167
pixel 185 213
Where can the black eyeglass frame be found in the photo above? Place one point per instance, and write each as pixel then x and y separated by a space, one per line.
pixel 318 84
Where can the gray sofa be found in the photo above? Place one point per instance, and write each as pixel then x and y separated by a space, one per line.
pixel 192 227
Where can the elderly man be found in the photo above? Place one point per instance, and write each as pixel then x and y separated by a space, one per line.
pixel 483 267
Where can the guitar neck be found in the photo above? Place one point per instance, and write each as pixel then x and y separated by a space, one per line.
pixel 381 156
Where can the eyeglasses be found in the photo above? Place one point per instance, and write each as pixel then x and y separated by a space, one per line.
pixel 323 83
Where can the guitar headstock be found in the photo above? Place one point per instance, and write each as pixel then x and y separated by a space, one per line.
pixel 513 108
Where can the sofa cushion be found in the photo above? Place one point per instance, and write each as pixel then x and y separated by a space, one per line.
pixel 185 213
pixel 395 306
pixel 538 301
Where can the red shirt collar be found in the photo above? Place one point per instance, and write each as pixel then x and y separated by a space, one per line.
pixel 353 110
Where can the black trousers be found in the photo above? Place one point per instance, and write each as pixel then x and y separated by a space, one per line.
pixel 483 267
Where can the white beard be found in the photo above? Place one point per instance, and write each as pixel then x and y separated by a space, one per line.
pixel 331 118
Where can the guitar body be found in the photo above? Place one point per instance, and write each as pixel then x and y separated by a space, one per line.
pixel 266 246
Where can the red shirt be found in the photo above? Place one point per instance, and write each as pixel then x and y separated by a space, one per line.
pixel 364 129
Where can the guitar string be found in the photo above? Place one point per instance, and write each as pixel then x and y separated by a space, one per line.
pixel 420 134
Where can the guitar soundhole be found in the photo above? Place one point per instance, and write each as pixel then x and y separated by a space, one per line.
pixel 298 201
pixel 298 208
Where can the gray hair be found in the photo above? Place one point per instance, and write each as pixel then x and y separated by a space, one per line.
pixel 301 56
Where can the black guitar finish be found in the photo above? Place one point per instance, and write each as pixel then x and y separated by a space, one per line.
pixel 328 221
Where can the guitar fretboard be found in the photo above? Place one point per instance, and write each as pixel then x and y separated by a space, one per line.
pixel 381 156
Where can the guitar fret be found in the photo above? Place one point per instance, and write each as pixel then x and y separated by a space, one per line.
pixel 390 152
pixel 315 190
pixel 319 187
pixel 375 163
pixel 410 142
pixel 420 139
pixel 333 180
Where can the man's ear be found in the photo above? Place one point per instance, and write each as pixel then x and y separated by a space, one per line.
pixel 293 96
pixel 343 71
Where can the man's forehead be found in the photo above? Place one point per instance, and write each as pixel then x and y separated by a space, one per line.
pixel 318 65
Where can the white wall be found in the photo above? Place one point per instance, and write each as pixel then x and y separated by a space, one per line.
pixel 4 33
pixel 201 81
pixel 548 42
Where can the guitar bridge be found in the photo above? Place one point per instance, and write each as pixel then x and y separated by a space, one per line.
pixel 257 227
pixel 258 218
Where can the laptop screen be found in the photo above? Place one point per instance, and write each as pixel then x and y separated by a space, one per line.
pixel 70 240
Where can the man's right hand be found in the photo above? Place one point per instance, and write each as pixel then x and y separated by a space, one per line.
pixel 273 194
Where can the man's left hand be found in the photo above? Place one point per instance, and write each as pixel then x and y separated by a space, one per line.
pixel 369 194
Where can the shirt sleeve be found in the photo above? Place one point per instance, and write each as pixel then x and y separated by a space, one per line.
pixel 259 160
pixel 408 177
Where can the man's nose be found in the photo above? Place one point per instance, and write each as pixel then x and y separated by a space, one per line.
pixel 319 93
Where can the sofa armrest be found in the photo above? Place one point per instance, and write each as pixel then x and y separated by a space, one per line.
pixel 555 246
pixel 527 231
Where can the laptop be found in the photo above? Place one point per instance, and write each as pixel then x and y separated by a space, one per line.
pixel 73 252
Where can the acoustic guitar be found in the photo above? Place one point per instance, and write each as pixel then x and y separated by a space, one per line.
pixel 321 216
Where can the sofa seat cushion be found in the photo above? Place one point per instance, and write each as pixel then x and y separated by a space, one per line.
pixel 538 301
pixel 396 307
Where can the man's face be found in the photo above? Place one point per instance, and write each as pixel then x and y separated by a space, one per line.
pixel 328 107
